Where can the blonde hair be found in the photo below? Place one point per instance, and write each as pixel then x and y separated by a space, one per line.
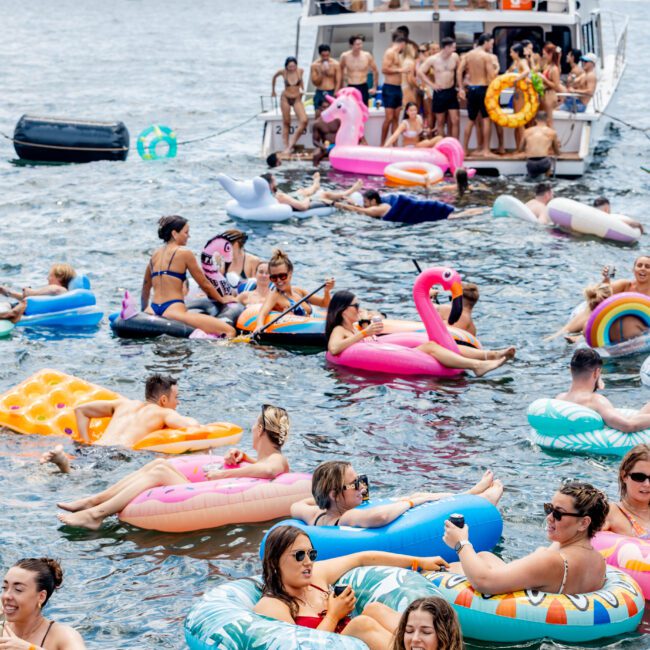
pixel 596 293
pixel 275 423
pixel 64 273
pixel 279 257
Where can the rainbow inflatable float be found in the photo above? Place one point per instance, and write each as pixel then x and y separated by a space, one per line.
pixel 629 554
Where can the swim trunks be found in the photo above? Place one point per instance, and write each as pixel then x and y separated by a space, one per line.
pixel 391 95
pixel 538 166
pixel 476 101
pixel 363 89
pixel 320 99
pixel 573 105
pixel 445 100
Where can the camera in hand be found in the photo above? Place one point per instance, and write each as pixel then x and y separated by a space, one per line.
pixel 339 589
pixel 457 520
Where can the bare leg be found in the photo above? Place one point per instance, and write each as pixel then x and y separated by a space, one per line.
pixel 330 195
pixel 431 142
pixel 467 135
pixel 388 120
pixel 374 635
pixel 454 360
pixel 386 617
pixel 440 124
pixel 57 457
pixel 485 127
pixel 500 141
pixel 303 121
pixel 486 481
pixel 14 314
pixel 209 324
pixel 286 120
pixel 494 492
pixel 454 122
pixel 473 353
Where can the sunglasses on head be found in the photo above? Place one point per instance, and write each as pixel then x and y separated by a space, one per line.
pixel 278 276
pixel 360 481
pixel 300 555
pixel 639 477
pixel 550 509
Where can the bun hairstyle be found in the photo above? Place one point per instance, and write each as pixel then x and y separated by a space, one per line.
pixel 49 574
pixel 167 225
pixel 279 257
pixel 589 502
pixel 596 293
pixel 275 422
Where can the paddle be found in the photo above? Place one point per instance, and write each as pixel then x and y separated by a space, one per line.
pixel 246 338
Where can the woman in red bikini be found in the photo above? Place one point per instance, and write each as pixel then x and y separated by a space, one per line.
pixel 297 588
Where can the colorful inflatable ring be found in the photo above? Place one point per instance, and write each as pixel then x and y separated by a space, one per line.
pixel 599 325
pixel 629 554
pixel 615 609
pixel 565 426
pixel 147 147
pixel 411 174
pixel 511 120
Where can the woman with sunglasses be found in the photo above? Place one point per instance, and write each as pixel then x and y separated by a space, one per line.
pixel 270 432
pixel 284 295
pixel 243 264
pixel 262 289
pixel 337 490
pixel 297 589
pixel 570 565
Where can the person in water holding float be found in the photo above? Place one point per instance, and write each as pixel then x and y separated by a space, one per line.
pixel 297 589
pixel 284 295
pixel 570 565
pixel 341 332
pixel 428 624
pixel 337 490
pixel 166 274
pixel 262 286
pixel 270 432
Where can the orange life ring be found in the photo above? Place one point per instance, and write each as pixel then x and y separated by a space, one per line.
pixel 511 120
pixel 413 173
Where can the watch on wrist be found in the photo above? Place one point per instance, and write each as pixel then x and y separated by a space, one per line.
pixel 461 545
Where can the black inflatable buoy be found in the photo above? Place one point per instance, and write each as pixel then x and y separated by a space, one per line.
pixel 50 139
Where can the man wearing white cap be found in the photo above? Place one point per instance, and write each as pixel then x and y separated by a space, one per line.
pixel 585 86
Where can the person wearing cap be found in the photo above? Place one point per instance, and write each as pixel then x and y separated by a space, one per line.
pixel 243 264
pixel 584 86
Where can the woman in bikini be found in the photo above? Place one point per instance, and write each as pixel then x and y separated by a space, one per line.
pixel 570 565
pixel 283 295
pixel 243 264
pixel 166 274
pixel 411 128
pixel 521 68
pixel 26 589
pixel 551 80
pixel 297 589
pixel 291 97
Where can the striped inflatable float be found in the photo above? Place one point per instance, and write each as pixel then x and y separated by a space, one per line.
pixel 599 325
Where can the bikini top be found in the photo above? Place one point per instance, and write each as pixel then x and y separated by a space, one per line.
pixel 242 273
pixel 49 627
pixel 298 311
pixel 566 573
pixel 639 530
pixel 322 514
pixel 314 621
pixel 289 85
pixel 174 274
pixel 411 133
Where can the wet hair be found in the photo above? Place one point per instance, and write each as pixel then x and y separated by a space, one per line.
pixel 600 201
pixel 589 502
pixel 447 40
pixel 279 257
pixel 64 273
pixel 445 623
pixel 356 37
pixel 275 424
pixel 372 195
pixel 277 542
pixel 406 108
pixel 585 360
pixel 596 293
pixel 158 385
pixel 324 47
pixel 49 574
pixel 403 29
pixel 328 477
pixel 272 160
pixel 470 293
pixel 170 224
pixel 553 51
pixel 542 188
pixel 462 180
pixel 340 301
pixel 290 59
pixel 518 49
pixel 398 37
pixel 640 452
pixel 576 53
pixel 268 177
pixel 485 38
pixel 233 235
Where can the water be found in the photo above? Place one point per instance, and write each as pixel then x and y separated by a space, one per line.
pixel 200 67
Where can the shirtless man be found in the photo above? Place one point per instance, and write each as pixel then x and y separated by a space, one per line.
pixel 602 203
pixel 586 369
pixel 355 66
pixel 391 91
pixel 470 298
pixel 539 205
pixel 584 85
pixel 323 135
pixel 132 420
pixel 540 145
pixel 445 99
pixel 326 76
pixel 475 72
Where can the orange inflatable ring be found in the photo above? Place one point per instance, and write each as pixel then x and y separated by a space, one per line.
pixel 511 120
pixel 413 173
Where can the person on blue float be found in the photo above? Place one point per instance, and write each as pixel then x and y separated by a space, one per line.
pixel 341 332
pixel 569 565
pixel 166 274
pixel 298 590
pixel 337 490
pixel 428 624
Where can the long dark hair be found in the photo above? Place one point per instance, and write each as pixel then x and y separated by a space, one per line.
pixel 277 542
pixel 445 623
pixel 341 300
pixel 406 108
pixel 519 49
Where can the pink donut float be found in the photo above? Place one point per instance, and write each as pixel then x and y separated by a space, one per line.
pixel 208 504
pixel 629 554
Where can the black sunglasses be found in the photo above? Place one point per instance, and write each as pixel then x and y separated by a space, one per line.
pixel 357 483
pixel 549 509
pixel 639 477
pixel 356 305
pixel 278 276
pixel 300 555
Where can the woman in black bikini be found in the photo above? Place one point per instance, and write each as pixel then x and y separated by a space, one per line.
pixel 291 97
pixel 26 588
pixel 166 274
pixel 243 264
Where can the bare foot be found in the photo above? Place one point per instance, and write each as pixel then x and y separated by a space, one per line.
pixel 81 519
pixel 357 186
pixel 508 353
pixel 483 367
pixel 57 457
pixel 494 492
pixel 76 506
pixel 287 151
pixel 486 481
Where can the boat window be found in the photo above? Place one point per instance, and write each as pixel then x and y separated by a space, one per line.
pixel 465 32
pixel 505 37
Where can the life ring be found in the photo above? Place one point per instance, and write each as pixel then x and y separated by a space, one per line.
pixel 147 146
pixel 629 554
pixel 599 325
pixel 511 120
pixel 413 173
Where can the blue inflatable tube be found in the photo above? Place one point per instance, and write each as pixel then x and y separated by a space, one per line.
pixel 418 531
pixel 406 209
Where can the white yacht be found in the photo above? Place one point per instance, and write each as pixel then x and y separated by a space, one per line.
pixel 567 23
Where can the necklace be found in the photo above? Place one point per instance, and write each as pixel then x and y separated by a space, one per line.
pixel 27 636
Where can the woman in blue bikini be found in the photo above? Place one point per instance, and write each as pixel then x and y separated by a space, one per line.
pixel 166 274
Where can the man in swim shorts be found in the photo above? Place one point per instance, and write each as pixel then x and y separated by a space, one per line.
pixel 326 76
pixel 540 146
pixel 132 420
pixel 391 91
pixel 538 205
pixel 355 66
pixel 586 369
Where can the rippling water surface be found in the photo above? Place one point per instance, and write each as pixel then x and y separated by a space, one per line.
pixel 200 67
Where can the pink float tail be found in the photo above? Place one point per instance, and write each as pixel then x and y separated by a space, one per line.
pixel 453 151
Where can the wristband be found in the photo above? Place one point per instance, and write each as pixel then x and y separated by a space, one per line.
pixel 364 334
pixel 32 647
pixel 411 504
pixel 415 566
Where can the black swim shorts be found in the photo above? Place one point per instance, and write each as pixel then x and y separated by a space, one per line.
pixel 476 101
pixel 445 100
pixel 391 96
pixel 363 89
pixel 320 99
pixel 538 166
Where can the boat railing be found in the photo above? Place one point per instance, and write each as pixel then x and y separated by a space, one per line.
pixel 613 27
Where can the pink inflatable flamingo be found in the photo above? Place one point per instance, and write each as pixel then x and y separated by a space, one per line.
pixel 349 156
pixel 223 249
pixel 395 353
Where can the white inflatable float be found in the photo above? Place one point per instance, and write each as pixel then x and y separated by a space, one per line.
pixel 252 201
pixel 587 220
pixel 509 206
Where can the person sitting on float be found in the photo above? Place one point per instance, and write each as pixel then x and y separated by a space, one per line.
pixel 411 128
pixel 428 624
pixel 262 288
pixel 283 295
pixel 270 432
pixel 337 490
pixel 169 266
pixel 58 281
pixel 470 298
pixel 243 264
pixel 341 332
pixel 570 565
pixel 26 589
pixel 297 589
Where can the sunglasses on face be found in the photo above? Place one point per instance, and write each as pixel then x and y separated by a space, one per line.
pixel 422 51
pixel 358 483
pixel 300 555
pixel 550 509
pixel 354 305
pixel 639 477
pixel 278 276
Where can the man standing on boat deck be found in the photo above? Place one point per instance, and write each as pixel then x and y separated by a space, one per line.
pixel 445 98
pixel 477 68
pixel 391 91
pixel 326 77
pixel 540 145
pixel 355 66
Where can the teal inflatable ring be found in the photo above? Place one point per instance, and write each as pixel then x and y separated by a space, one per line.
pixel 151 137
